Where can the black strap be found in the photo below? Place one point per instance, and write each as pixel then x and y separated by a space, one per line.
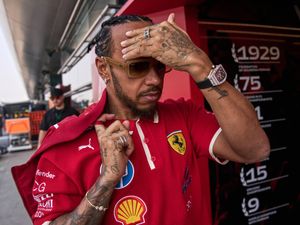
pixel 204 84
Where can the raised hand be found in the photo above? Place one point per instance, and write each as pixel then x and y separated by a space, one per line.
pixel 167 43
pixel 116 146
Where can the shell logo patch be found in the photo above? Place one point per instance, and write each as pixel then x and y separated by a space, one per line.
pixel 130 210
pixel 177 142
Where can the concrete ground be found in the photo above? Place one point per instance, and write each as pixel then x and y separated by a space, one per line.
pixel 12 211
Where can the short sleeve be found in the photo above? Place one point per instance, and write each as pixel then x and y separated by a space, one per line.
pixel 54 193
pixel 203 127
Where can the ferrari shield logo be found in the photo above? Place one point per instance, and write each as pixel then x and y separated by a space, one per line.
pixel 177 142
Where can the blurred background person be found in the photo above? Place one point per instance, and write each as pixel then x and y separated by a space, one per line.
pixel 58 112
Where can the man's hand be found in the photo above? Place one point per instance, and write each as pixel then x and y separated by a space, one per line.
pixel 169 44
pixel 116 146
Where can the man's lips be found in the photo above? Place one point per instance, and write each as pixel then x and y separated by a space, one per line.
pixel 151 95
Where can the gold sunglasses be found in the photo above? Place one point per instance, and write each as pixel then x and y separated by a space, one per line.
pixel 140 67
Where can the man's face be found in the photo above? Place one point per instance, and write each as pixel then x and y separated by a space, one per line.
pixel 140 95
pixel 57 101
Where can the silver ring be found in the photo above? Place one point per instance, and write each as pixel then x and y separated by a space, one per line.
pixel 147 33
pixel 122 141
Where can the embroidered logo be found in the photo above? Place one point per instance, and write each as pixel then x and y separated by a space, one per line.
pixel 45 201
pixel 47 174
pixel 130 210
pixel 177 142
pixel 42 197
pixel 187 179
pixel 39 187
pixel 86 146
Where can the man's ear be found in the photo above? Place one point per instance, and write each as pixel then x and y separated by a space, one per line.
pixel 102 68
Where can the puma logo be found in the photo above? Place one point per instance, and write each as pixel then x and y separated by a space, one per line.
pixel 86 146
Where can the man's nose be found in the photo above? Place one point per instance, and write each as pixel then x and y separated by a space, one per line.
pixel 153 77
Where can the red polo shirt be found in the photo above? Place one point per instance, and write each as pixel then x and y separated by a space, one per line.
pixel 162 181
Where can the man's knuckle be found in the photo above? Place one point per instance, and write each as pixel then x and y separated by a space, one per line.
pixel 118 122
pixel 164 23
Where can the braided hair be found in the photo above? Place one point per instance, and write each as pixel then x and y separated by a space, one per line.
pixel 103 39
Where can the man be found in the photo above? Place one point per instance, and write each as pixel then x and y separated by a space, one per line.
pixel 55 114
pixel 148 168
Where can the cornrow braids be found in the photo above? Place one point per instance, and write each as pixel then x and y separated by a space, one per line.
pixel 103 40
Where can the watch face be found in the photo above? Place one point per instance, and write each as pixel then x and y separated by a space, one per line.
pixel 220 74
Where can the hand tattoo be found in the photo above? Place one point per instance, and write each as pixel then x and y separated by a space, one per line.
pixel 176 41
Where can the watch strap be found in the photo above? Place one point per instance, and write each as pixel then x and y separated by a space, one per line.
pixel 216 76
pixel 204 84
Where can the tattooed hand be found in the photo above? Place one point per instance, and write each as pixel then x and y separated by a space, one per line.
pixel 170 45
pixel 114 151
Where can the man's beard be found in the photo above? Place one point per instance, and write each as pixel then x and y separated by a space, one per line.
pixel 148 112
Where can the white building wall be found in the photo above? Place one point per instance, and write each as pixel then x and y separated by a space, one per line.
pixel 83 73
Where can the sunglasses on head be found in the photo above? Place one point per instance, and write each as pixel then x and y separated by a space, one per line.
pixel 139 67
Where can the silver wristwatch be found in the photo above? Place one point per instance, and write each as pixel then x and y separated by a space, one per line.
pixel 216 76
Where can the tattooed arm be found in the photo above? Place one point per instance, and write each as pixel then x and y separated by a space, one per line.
pixel 242 139
pixel 114 156
pixel 84 213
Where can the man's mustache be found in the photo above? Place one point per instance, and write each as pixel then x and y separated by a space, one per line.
pixel 152 89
